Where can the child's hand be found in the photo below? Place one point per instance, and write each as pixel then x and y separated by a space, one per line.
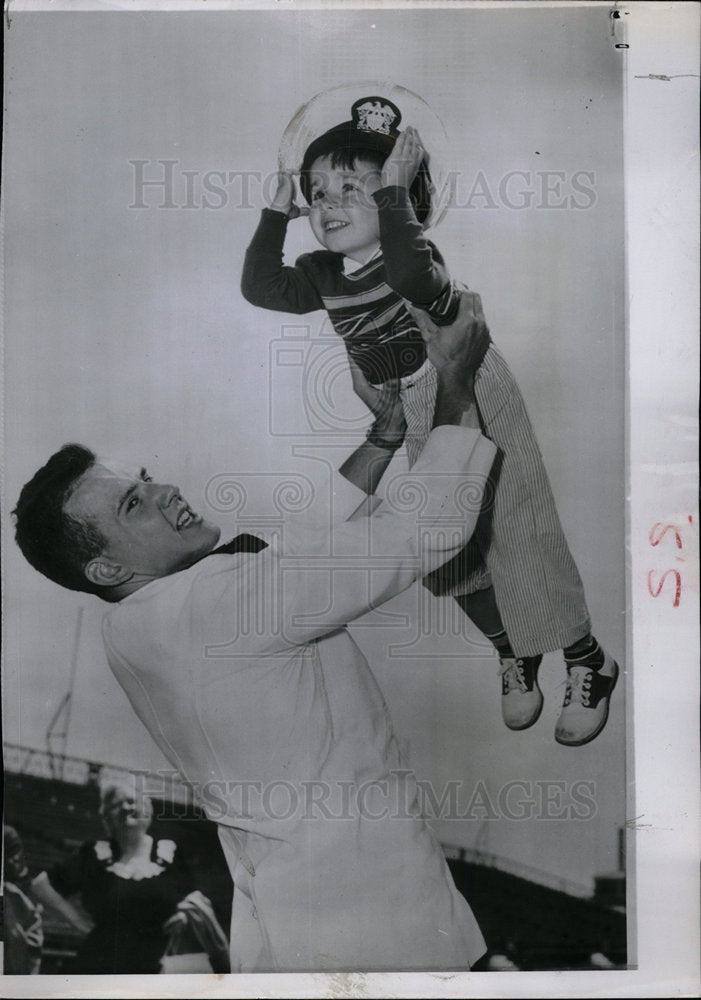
pixel 401 165
pixel 284 198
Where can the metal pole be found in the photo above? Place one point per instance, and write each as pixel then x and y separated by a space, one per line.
pixel 58 766
pixel 69 703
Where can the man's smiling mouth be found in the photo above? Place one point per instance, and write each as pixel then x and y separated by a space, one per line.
pixel 333 224
pixel 186 517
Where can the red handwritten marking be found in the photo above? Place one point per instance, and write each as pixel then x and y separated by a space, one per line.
pixel 678 588
pixel 655 540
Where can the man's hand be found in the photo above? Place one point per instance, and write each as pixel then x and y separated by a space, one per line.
pixel 366 466
pixel 456 352
pixel 402 164
pixel 284 198
pixel 461 346
pixel 384 404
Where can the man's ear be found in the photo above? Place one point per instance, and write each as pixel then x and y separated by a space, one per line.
pixel 105 573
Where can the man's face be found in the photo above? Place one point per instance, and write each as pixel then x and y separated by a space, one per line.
pixel 149 528
pixel 343 213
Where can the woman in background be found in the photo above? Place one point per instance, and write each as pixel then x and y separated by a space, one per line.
pixel 129 885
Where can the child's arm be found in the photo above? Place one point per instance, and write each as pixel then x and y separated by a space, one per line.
pixel 414 267
pixel 266 281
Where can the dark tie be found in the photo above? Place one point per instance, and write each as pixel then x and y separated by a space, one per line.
pixel 242 543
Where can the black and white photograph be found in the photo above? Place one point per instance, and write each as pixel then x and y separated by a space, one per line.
pixel 350 518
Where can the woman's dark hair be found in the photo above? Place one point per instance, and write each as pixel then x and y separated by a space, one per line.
pixel 55 544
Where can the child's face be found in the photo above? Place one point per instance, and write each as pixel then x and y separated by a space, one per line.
pixel 343 213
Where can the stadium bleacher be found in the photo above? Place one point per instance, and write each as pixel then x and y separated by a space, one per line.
pixel 535 925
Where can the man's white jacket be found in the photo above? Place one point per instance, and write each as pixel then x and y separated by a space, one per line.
pixel 242 670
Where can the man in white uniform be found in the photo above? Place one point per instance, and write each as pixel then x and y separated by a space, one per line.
pixel 239 664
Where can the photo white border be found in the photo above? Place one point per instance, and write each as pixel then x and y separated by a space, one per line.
pixel 662 209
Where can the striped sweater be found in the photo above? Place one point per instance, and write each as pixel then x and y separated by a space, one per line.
pixel 366 307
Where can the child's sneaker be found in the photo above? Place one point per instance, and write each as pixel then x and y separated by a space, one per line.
pixel 586 705
pixel 521 698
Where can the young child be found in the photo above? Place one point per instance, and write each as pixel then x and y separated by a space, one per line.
pixel 369 191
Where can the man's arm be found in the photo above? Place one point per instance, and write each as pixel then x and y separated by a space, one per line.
pixel 368 463
pixel 317 578
pixel 456 351
pixel 370 563
pixel 329 576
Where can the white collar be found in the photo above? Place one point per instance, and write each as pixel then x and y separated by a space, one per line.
pixel 350 266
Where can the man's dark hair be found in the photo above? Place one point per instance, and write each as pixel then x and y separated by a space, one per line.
pixel 346 158
pixel 55 544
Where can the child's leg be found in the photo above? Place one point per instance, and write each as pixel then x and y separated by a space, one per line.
pixel 521 697
pixel 481 608
pixel 467 578
pixel 516 579
pixel 537 585
pixel 418 395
